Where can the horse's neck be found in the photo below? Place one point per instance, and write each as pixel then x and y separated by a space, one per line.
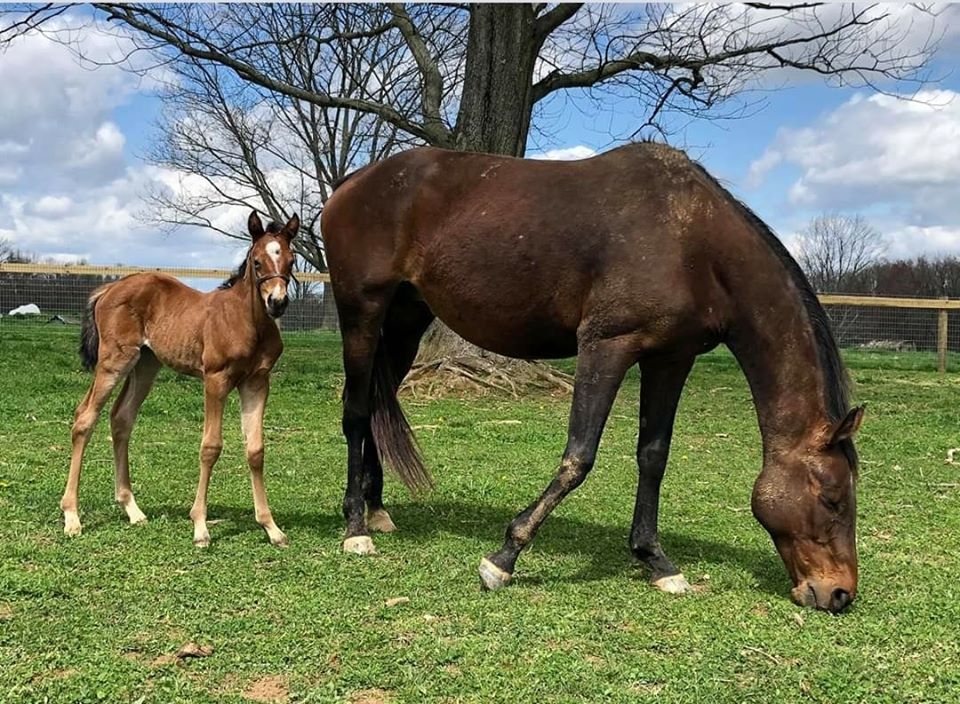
pixel 249 303
pixel 777 350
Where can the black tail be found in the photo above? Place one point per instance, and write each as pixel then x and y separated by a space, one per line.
pixel 89 335
pixel 396 445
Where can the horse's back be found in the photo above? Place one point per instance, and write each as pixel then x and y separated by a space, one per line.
pixel 525 257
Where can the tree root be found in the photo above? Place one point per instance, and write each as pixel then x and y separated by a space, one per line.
pixel 472 375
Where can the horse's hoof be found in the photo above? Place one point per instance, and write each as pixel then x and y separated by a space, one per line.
pixel 281 541
pixel 201 542
pixel 359 545
pixel 138 520
pixel 72 528
pixel 674 584
pixel 493 577
pixel 380 520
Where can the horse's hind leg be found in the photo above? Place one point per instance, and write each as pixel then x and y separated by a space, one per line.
pixel 110 371
pixel 601 366
pixel 660 386
pixel 360 323
pixel 253 402
pixel 406 322
pixel 122 418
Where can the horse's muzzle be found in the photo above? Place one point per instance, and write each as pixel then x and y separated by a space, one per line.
pixel 822 595
pixel 277 306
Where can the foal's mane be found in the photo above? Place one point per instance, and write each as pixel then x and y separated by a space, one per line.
pixel 837 386
pixel 273 228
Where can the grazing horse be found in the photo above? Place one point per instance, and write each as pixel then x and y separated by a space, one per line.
pixel 227 337
pixel 636 256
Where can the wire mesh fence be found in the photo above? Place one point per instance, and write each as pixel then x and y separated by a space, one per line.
pixel 54 297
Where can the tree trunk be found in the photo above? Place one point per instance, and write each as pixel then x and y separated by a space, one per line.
pixel 496 105
pixel 496 108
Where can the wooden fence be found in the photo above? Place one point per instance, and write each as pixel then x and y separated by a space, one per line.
pixel 52 279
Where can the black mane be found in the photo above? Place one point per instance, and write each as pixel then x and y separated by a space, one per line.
pixel 837 380
pixel 273 228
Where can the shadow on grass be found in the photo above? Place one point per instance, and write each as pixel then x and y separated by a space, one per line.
pixel 605 546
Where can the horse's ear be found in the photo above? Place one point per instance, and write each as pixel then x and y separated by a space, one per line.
pixel 848 427
pixel 292 227
pixel 255 226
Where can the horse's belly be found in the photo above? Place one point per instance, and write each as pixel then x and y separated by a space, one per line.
pixel 521 330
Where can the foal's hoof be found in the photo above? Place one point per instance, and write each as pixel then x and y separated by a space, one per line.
pixel 281 541
pixel 380 520
pixel 203 542
pixel 359 545
pixel 674 584
pixel 72 527
pixel 493 577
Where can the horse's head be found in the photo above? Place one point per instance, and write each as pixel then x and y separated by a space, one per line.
pixel 806 499
pixel 272 260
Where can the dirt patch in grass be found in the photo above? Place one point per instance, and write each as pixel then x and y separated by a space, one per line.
pixel 272 689
pixel 371 696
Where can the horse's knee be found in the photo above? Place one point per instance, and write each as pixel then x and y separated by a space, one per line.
pixel 652 456
pixel 210 452
pixel 255 457
pixel 573 470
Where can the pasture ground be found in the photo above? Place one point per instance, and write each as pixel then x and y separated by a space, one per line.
pixel 99 617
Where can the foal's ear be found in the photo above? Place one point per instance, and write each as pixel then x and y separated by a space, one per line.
pixel 291 228
pixel 848 427
pixel 255 226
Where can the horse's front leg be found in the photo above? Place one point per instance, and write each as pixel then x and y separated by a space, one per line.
pixel 601 365
pixel 253 402
pixel 660 387
pixel 215 390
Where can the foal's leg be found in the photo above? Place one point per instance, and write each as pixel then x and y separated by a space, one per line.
pixel 660 387
pixel 215 390
pixel 122 417
pixel 253 402
pixel 110 371
pixel 600 369
pixel 406 322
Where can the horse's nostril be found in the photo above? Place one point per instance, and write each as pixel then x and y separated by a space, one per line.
pixel 839 600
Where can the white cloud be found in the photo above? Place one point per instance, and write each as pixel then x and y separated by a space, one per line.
pixel 580 151
pixel 69 189
pixel 894 160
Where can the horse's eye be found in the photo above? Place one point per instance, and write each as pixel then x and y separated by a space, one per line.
pixel 256 265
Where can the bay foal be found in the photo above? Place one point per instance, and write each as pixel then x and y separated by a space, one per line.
pixel 227 337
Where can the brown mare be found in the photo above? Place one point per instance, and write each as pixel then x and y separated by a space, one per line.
pixel 636 256
pixel 227 337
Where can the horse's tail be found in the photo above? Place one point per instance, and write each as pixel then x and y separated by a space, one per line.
pixel 392 434
pixel 89 334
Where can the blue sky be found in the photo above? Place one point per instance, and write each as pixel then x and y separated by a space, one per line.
pixel 72 177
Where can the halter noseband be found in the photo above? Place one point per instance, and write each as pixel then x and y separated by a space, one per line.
pixel 286 279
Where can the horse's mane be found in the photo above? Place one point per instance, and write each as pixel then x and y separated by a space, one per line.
pixel 273 228
pixel 837 386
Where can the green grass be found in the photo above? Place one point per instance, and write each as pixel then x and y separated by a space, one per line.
pixel 97 617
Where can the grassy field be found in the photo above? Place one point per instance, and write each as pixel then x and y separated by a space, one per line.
pixel 99 617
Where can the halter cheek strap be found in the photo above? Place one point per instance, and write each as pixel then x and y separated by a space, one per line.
pixel 286 279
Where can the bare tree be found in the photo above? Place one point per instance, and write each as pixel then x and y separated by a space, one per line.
pixel 477 77
pixel 836 250
pixel 237 144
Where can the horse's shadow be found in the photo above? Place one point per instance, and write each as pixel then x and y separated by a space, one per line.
pixel 605 546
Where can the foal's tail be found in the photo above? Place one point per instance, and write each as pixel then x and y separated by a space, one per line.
pixel 391 431
pixel 89 335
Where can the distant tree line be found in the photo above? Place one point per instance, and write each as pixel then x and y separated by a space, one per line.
pixel 845 254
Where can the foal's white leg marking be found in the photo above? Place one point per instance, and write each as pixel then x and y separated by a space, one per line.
pixel 71 523
pixel 380 520
pixel 493 577
pixel 674 584
pixel 359 545
pixel 136 516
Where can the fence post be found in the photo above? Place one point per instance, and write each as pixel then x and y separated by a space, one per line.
pixel 942 341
